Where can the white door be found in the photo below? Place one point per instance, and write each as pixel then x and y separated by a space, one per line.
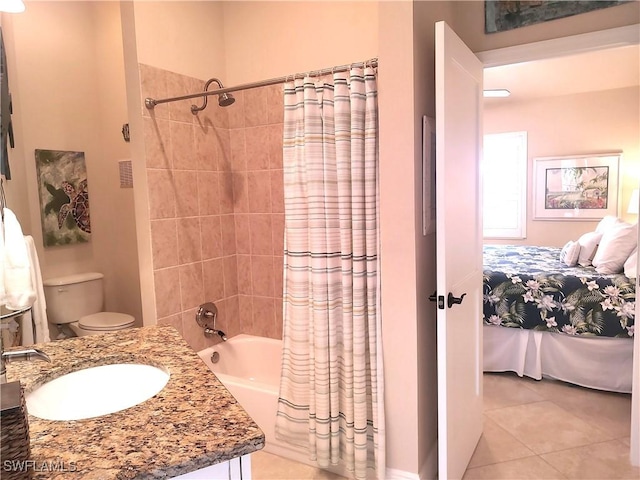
pixel 459 251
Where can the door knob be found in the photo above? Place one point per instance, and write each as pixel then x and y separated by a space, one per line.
pixel 451 300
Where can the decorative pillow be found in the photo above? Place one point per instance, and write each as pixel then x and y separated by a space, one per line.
pixel 607 222
pixel 631 265
pixel 588 246
pixel 615 247
pixel 570 253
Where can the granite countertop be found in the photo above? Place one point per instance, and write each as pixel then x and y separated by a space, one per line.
pixel 192 423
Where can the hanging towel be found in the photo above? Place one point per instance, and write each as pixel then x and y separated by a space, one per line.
pixel 18 289
pixel 36 321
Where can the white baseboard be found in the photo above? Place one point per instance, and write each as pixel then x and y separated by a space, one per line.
pixel 395 474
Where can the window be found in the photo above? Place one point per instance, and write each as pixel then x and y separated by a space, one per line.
pixel 504 173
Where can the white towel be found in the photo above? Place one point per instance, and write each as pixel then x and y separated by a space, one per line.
pixel 18 289
pixel 38 316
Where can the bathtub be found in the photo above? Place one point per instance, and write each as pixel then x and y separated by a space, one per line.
pixel 249 367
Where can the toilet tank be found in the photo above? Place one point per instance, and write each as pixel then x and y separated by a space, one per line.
pixel 71 297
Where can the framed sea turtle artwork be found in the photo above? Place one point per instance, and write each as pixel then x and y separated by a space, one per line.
pixel 64 197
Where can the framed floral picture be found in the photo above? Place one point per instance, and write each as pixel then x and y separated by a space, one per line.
pixel 578 187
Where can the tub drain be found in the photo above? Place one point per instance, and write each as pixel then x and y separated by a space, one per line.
pixel 215 356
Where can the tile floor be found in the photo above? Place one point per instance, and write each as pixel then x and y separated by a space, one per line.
pixel 536 430
pixel 549 429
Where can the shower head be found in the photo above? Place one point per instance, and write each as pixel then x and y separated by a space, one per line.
pixel 224 99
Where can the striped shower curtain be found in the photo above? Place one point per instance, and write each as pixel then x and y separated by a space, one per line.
pixel 331 389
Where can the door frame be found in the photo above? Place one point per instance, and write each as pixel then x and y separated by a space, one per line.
pixel 558 47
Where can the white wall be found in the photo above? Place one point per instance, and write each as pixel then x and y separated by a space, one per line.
pixel 67 82
pixel 596 122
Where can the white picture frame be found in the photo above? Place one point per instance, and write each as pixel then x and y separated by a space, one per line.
pixel 575 187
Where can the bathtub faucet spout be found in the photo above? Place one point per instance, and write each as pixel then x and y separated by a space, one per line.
pixel 210 332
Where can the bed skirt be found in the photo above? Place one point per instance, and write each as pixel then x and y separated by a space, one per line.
pixel 598 362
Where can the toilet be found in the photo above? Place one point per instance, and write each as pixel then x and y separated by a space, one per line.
pixel 76 302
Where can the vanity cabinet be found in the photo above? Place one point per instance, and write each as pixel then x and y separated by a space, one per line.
pixel 235 469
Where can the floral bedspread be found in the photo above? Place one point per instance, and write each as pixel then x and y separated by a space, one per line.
pixel 529 287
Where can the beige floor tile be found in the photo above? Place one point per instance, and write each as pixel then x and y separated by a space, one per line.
pixel 265 466
pixel 607 411
pixel 497 445
pixel 626 441
pixel 507 389
pixel 523 468
pixel 608 460
pixel 544 427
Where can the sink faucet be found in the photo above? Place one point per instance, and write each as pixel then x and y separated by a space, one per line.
pixel 206 318
pixel 16 355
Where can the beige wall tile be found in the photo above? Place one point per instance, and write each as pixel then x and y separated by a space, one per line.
pixel 262 275
pixel 277 307
pixel 245 313
pixel 178 85
pixel 260 226
pixel 157 143
pixel 257 148
pixel 153 84
pixel 206 148
pixel 275 103
pixel 162 198
pixel 213 271
pixel 240 194
pixel 225 190
pixel 227 223
pixel 192 332
pixel 277 230
pixel 238 150
pixel 264 319
pixel 186 191
pixel 259 189
pixel 255 107
pixel 164 243
pixel 236 111
pixel 244 275
pixel 230 276
pixel 208 193
pixel 191 285
pixel 278 275
pixel 189 245
pixel 167 290
pixel 229 316
pixel 274 145
pixel 211 237
pixel 183 146
pixel 277 191
pixel 243 238
pixel 223 149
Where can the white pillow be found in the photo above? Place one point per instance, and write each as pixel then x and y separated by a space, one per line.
pixel 570 253
pixel 631 265
pixel 615 247
pixel 607 222
pixel 588 246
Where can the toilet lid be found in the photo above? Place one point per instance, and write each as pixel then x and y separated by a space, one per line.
pixel 106 321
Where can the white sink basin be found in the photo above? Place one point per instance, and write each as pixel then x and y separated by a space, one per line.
pixel 96 391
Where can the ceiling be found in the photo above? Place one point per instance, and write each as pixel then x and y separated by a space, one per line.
pixel 592 71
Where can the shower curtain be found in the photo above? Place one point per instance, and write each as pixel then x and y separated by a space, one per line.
pixel 331 389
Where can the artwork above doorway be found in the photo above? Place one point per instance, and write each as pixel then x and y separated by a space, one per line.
pixel 506 15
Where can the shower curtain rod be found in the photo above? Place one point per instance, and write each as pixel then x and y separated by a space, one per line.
pixel 150 103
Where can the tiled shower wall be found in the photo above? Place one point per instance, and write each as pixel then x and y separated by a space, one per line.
pixel 216 207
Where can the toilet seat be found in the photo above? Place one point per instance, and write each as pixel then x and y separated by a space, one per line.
pixel 106 321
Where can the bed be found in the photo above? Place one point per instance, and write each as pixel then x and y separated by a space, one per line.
pixel 544 319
